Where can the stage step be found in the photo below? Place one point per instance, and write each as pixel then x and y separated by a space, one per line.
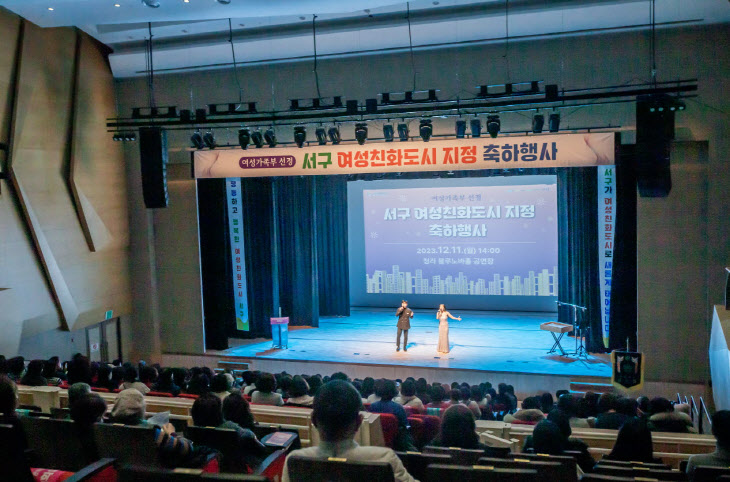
pixel 232 365
pixel 580 388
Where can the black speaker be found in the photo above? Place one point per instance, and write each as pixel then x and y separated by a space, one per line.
pixel 654 133
pixel 153 159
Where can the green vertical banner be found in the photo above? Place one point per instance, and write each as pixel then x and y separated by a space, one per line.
pixel 235 227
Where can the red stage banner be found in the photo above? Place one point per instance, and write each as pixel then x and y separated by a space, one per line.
pixel 558 150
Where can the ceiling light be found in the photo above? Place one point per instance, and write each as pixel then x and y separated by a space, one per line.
pixel 244 138
pixel 493 125
pixel 361 132
pixel 321 135
pixel 209 139
pixel 257 138
pixel 460 129
pixel 300 135
pixel 197 140
pixel 476 127
pixel 388 132
pixel 117 5
pixel 50 8
pixel 538 121
pixel 554 122
pixel 403 132
pixel 425 129
pixel 151 3
pixel 334 134
pixel 270 137
pixel 224 2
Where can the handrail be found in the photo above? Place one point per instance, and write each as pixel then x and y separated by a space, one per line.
pixel 694 412
pixel 706 413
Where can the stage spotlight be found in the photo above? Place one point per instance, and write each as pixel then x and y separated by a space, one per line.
pixel 321 135
pixel 244 138
pixel 209 139
pixel 476 127
pixel 197 140
pixel 300 135
pixel 388 132
pixel 334 135
pixel 257 138
pixel 151 3
pixel 493 125
pixel 270 137
pixel 460 129
pixel 403 134
pixel 425 129
pixel 130 136
pixel 554 122
pixel 538 121
pixel 361 132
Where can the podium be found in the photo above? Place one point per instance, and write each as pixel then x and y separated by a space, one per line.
pixel 280 332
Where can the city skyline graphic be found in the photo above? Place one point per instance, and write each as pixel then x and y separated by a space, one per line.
pixel 537 283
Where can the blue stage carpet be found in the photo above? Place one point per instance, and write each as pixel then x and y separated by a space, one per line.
pixel 490 341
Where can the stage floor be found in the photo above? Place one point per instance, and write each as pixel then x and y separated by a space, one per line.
pixel 489 341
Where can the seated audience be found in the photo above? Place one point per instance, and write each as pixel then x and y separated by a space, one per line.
pixel 104 377
pixel 220 386
pixel 583 458
pixel 721 456
pixel 336 415
pixel 129 409
pixel 387 392
pixel 548 439
pixel 52 371
pixel 34 375
pixel 367 389
pixel 8 404
pixel 299 393
pixel 77 391
pixel 249 381
pixel 16 368
pixel 455 397
pixel 665 419
pixel 608 417
pixel 438 394
pixel 476 401
pixel 315 383
pixel 85 412
pixel 78 370
pixel 130 380
pixel 377 388
pixel 199 384
pixel 422 391
pixel 408 397
pixel 166 383
pixel 633 443
pixel 530 413
pixel 568 405
pixel 458 429
pixel 265 393
pixel 148 375
pixel 546 402
pixel 207 412
pixel 237 410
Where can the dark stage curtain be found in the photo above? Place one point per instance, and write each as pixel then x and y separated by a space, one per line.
pixel 623 319
pixel 295 218
pixel 215 263
pixel 332 252
pixel 260 245
pixel 577 250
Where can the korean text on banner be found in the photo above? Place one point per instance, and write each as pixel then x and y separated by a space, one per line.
pixel 606 239
pixel 235 227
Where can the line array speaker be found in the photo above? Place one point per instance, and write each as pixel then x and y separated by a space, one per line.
pixel 654 133
pixel 153 159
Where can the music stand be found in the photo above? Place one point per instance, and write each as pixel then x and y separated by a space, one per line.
pixel 580 349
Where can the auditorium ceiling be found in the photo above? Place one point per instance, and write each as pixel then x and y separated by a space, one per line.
pixel 194 34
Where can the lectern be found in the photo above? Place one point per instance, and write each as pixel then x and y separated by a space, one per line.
pixel 280 332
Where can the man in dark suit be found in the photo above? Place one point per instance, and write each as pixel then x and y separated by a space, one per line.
pixel 404 315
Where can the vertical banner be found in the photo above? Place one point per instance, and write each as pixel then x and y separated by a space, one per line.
pixel 606 230
pixel 235 229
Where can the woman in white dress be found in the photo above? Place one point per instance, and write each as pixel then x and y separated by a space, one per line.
pixel 443 316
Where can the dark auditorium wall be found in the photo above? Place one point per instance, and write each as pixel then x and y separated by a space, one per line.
pixel 64 236
pixel 571 62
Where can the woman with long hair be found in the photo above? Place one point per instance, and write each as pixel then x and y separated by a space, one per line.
pixel 443 316
pixel 458 429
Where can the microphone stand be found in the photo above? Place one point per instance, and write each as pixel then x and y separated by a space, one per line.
pixel 580 349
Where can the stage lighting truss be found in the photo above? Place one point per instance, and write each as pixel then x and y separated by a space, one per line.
pixel 361 132
pixel 334 135
pixel 488 99
pixel 321 136
pixel 257 138
pixel 476 127
pixel 244 138
pixel 425 129
pixel 124 136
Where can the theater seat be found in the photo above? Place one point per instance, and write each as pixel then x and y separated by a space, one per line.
pixel 704 473
pixel 389 422
pixel 223 440
pixel 160 394
pixel 477 473
pixel 459 455
pixel 338 470
pixel 131 473
pixel 546 471
pixel 416 462
pixel 431 427
pixel 645 472
pixel 58 443
pixel 417 431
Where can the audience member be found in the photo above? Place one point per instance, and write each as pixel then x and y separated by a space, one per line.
pixel 8 404
pixel 199 384
pixel 237 410
pixel 16 368
pixel 408 397
pixel 721 456
pixel 77 391
pixel 220 386
pixel 315 383
pixel 387 392
pixel 166 383
pixel 52 371
pixel 458 429
pixel 583 458
pixel 547 403
pixel 249 381
pixel 336 415
pixel 530 413
pixel 265 393
pixel 377 388
pixel 148 375
pixel 455 397
pixel 299 393
pixel 438 394
pixel 633 443
pixel 130 380
pixel 85 412
pixel 104 377
pixel 3 365
pixel 34 375
pixel 548 439
pixel 665 419
pixel 608 417
pixel 422 391
pixel 78 370
pixel 476 401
